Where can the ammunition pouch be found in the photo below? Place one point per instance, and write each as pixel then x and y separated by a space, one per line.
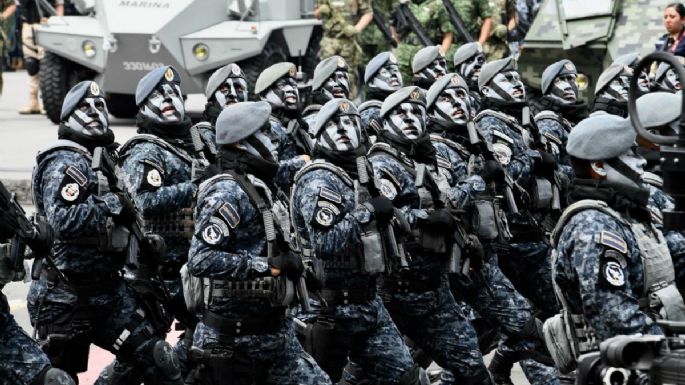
pixel 153 299
pixel 280 291
pixel 233 327
pixel 486 219
pixel 373 257
pixel 559 333
pixel 66 341
pixel 664 302
pixel 178 224
pixel 542 193
pixel 115 239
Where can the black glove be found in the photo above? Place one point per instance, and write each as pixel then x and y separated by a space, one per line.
pixel 383 209
pixel 545 166
pixel 289 264
pixel 492 171
pixel 206 173
pixel 128 212
pixel 440 220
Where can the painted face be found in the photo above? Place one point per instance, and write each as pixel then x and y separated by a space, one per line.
pixel 670 82
pixel 165 104
pixel 618 89
pixel 564 89
pixel 90 117
pixel 337 85
pixel 407 120
pixel 643 82
pixel 506 86
pixel 632 160
pixel 436 70
pixel 470 69
pixel 263 143
pixel 232 91
pixel 341 133
pixel 388 78
pixel 452 107
pixel 283 94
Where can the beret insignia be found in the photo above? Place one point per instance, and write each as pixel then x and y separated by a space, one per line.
pixel 169 74
pixel 94 88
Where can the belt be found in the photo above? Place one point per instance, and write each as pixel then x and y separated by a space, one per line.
pixel 404 286
pixel 356 295
pixel 81 285
pixel 525 233
pixel 268 324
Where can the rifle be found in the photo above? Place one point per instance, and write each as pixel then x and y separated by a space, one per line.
pixel 408 18
pixel 380 23
pixel 151 246
pixel 457 21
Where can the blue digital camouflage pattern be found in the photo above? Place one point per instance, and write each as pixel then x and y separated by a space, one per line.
pixel 610 309
pixel 454 167
pixel 554 131
pixel 371 119
pixel 239 253
pixel 288 160
pixel 658 202
pixel 21 359
pixel 376 344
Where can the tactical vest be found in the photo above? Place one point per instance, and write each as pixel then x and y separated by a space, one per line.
pixel 115 239
pixel 209 147
pixel 200 293
pixel 178 224
pixel 568 335
pixel 547 114
pixel 371 259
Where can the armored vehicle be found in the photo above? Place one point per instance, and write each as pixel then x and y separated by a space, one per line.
pixel 591 33
pixel 121 40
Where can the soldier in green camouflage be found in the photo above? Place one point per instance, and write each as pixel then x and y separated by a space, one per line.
pixel 7 9
pixel 503 21
pixel 432 15
pixel 476 15
pixel 342 21
pixel 372 39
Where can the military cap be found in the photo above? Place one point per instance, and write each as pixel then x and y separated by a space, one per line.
pixel 332 108
pixel 325 69
pixel 491 69
pixel 629 59
pixel 148 83
pixel 270 75
pixel 465 52
pixel 84 89
pixel 562 67
pixel 448 81
pixel 238 121
pixel 664 67
pixel 425 56
pixel 658 108
pixel 219 77
pixel 411 94
pixel 376 63
pixel 609 74
pixel 588 139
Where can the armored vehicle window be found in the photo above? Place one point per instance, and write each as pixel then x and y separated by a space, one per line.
pixel 575 9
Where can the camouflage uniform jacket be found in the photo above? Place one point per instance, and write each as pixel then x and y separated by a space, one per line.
pixel 658 202
pixel 65 190
pixel 342 14
pixel 554 130
pixel 473 12
pixel 288 160
pixel 370 113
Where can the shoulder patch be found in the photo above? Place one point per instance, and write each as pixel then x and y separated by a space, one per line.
pixel 387 188
pixel 215 231
pixel 612 274
pixel 443 162
pixel 230 215
pixel 613 240
pixel 330 195
pixel 325 214
pixel 76 175
pixel 70 192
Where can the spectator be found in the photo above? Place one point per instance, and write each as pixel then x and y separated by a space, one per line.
pixel 7 8
pixel 672 41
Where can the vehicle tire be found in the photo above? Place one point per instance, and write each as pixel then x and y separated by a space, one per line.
pixel 57 76
pixel 122 106
pixel 272 53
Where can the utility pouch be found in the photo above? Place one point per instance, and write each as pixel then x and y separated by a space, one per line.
pixel 193 291
pixel 373 261
pixel 666 303
pixel 153 299
pixel 484 220
pixel 543 193
pixel 455 259
pixel 433 242
pixel 115 239
pixel 559 341
pixel 283 292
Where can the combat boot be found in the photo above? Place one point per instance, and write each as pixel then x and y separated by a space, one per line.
pixel 33 108
pixel 500 366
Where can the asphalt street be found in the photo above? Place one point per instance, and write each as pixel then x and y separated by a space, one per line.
pixel 21 137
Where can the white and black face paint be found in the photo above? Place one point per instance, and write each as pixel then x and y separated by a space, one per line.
pixel 617 89
pixel 165 104
pixel 283 94
pixel 436 70
pixel 388 78
pixel 90 117
pixel 337 86
pixel 407 120
pixel 263 143
pixel 631 159
pixel 564 89
pixel 341 134
pixel 470 69
pixel 233 90
pixel 670 82
pixel 643 82
pixel 453 107
pixel 506 86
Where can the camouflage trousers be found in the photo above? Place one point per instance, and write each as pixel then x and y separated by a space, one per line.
pixel 21 359
pixel 348 49
pixel 434 322
pixel 102 314
pixel 276 358
pixel 405 53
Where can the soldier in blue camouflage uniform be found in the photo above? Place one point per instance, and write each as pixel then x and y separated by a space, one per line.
pixel 612 269
pixel 81 298
pixel 418 296
pixel 507 124
pixel 331 81
pixel 161 170
pixel 468 60
pixel 382 77
pixel 336 210
pixel 666 79
pixel 244 336
pixel 611 90
pixel 22 362
pixel 428 65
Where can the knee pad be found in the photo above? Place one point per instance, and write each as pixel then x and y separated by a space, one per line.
pixel 56 376
pixel 166 363
pixel 411 376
